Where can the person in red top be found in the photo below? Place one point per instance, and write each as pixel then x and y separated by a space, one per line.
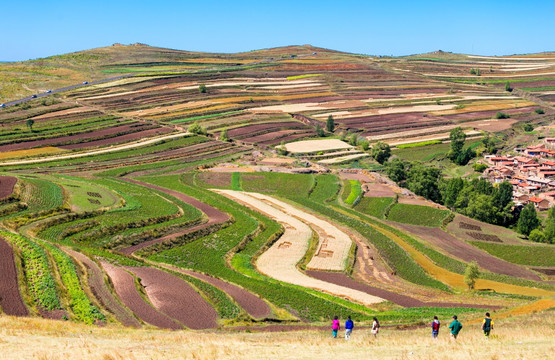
pixel 435 328
pixel 335 326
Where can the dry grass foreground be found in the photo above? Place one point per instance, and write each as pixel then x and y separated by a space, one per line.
pixel 525 337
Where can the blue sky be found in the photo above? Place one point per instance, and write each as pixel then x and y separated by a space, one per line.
pixel 33 29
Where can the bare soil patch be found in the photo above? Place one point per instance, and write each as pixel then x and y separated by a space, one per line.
pixel 175 298
pixel 10 298
pixel 311 146
pixel 484 237
pixel 124 283
pixel 102 292
pixel 7 184
pixel 252 304
pixel 119 139
pixel 466 252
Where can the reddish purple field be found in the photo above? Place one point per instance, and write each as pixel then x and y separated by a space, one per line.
pixel 119 139
pixel 10 298
pixel 7 184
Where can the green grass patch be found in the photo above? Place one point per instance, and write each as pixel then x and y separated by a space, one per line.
pixel 417 215
pixel 355 193
pixel 532 255
pixel 236 181
pixel 374 206
pixel 302 76
pixel 543 88
pixel 419 144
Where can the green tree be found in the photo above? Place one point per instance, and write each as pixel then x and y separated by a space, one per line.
pixel 549 230
pixel 528 220
pixel 465 156
pixel 330 124
pixel 451 192
pixel 396 170
pixel 223 135
pixel 353 140
pixel 380 152
pixel 195 128
pixel 457 137
pixel 319 131
pixel 30 123
pixel 481 207
pixel 528 127
pixel 202 88
pixel 471 274
pixel 508 87
pixel 539 111
pixel 503 195
pixel 364 144
pixel 537 235
pixel 424 181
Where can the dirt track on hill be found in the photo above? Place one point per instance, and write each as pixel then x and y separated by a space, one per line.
pixel 10 298
pixel 101 291
pixel 124 284
pixel 467 252
pixel 6 186
pixel 175 298
pixel 214 215
pixel 252 304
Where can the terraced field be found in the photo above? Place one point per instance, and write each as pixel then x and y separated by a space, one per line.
pixel 115 207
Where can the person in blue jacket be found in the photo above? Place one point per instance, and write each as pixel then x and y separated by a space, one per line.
pixel 348 328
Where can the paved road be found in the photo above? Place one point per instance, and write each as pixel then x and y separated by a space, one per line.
pixel 15 102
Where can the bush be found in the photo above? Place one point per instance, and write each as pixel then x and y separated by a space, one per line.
pixel 479 167
pixel 195 128
pixel 501 115
pixel 508 87
pixel 539 111
pixel 475 71
pixel 537 235
pixel 528 127
pixel 202 88
pixel 471 274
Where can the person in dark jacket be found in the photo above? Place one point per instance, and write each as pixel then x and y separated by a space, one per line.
pixel 348 328
pixel 455 327
pixel 487 325
pixel 435 328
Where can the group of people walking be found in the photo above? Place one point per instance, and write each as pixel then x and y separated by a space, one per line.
pixel 455 327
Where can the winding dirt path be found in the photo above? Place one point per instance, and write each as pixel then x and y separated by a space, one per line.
pixel 176 299
pixel 280 260
pixel 467 252
pixel 102 292
pixel 214 215
pixel 10 298
pixel 124 283
pixel 252 304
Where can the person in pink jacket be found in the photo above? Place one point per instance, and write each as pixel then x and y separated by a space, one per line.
pixel 335 326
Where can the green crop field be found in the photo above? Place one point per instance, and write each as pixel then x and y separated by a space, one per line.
pixel 374 206
pixel 417 215
pixel 539 255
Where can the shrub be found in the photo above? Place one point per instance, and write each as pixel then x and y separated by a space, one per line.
pixel 202 88
pixel 224 136
pixel 528 127
pixel 539 111
pixel 330 125
pixel 537 235
pixel 195 128
pixel 471 274
pixel 508 87
pixel 475 71
pixel 501 115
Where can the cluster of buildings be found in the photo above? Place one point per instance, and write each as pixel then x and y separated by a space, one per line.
pixel 532 174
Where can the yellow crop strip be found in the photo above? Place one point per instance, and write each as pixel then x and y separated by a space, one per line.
pixel 30 152
pixel 485 107
pixel 272 97
pixel 536 306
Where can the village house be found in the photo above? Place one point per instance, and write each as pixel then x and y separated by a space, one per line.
pixel 549 142
pixel 539 204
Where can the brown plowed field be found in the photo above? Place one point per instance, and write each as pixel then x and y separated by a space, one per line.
pixel 10 298
pixel 119 139
pixel 101 291
pixel 124 284
pixel 403 300
pixel 6 186
pixel 175 298
pixel 252 304
pixel 65 139
pixel 467 252
pixel 214 215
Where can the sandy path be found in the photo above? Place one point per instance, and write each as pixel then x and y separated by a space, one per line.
pixel 467 252
pixel 214 215
pixel 251 303
pixel 175 298
pixel 10 298
pixel 96 152
pixel 6 186
pixel 101 291
pixel 124 284
pixel 280 260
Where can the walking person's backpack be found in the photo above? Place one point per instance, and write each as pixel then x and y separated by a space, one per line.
pixel 487 324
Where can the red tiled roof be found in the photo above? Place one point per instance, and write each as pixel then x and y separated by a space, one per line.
pixel 535 199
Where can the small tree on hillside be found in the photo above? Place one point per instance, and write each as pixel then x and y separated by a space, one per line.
pixel 508 87
pixel 380 152
pixel 330 124
pixel 528 220
pixel 471 274
pixel 353 139
pixel 30 123
pixel 457 137
pixel 319 131
pixel 195 128
pixel 202 88
pixel 223 135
